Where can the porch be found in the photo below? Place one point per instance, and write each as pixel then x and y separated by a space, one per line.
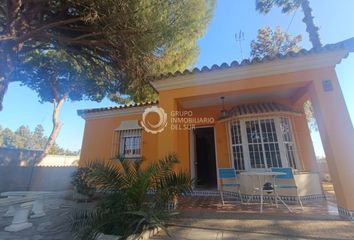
pixel 260 123
pixel 250 135
pixel 205 217
pixel 210 201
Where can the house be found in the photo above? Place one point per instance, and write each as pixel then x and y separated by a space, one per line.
pixel 247 115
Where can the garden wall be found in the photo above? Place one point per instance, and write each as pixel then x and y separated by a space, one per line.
pixel 18 157
pixel 16 178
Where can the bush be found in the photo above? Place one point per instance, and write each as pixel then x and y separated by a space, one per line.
pixel 79 179
pixel 136 198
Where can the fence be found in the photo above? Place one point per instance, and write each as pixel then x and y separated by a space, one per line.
pixel 18 157
pixel 17 178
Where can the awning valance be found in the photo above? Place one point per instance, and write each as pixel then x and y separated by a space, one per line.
pixel 255 109
pixel 128 125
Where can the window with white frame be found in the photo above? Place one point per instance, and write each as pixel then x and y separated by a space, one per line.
pixel 285 128
pixel 128 143
pixel 236 145
pixel 262 143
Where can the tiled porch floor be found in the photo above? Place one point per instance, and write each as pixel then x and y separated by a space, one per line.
pixel 204 217
pixel 212 203
pixel 319 208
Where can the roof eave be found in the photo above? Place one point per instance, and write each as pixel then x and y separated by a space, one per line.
pixel 109 112
pixel 266 68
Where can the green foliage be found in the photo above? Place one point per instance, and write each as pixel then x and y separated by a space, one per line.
pixel 38 140
pixel 168 43
pixel 21 138
pixel 28 25
pixel 58 74
pixel 78 180
pixel 309 113
pixel 57 150
pixel 270 43
pixel 7 138
pixel 137 38
pixel 288 6
pixel 22 135
pixel 24 138
pixel 136 197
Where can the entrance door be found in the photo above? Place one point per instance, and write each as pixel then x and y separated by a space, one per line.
pixel 205 163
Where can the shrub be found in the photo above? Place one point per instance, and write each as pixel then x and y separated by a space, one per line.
pixel 79 179
pixel 136 198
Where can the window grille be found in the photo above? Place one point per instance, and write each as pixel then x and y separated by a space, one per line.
pixel 262 143
pixel 128 143
pixel 236 145
pixel 288 141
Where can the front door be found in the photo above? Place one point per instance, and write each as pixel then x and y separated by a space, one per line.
pixel 205 163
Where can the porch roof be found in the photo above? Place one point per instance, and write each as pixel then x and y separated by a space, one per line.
pixel 259 109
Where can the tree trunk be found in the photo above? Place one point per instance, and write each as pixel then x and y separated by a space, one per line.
pixel 55 131
pixel 4 83
pixel 310 25
pixel 5 75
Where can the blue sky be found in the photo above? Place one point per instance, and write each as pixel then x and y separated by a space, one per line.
pixel 334 18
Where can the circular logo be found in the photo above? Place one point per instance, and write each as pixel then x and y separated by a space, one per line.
pixel 150 126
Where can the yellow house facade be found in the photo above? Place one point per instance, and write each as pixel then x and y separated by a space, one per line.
pixel 247 116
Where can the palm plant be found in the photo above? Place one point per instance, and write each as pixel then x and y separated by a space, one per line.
pixel 135 197
pixel 288 6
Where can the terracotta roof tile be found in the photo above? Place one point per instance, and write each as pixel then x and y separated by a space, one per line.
pixel 346 44
pixel 92 110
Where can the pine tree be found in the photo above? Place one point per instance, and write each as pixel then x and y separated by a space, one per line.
pixel 270 43
pixel 288 6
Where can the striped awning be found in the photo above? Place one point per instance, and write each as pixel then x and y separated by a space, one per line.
pixel 128 125
pixel 259 109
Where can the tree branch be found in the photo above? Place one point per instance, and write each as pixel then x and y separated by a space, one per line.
pixel 40 29
pixel 87 35
pixel 2 10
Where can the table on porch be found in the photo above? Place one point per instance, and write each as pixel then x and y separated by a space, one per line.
pixel 262 177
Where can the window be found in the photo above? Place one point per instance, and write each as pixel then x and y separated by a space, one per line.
pixel 270 143
pixel 254 144
pixel 129 144
pixel 262 143
pixel 288 141
pixel 236 144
